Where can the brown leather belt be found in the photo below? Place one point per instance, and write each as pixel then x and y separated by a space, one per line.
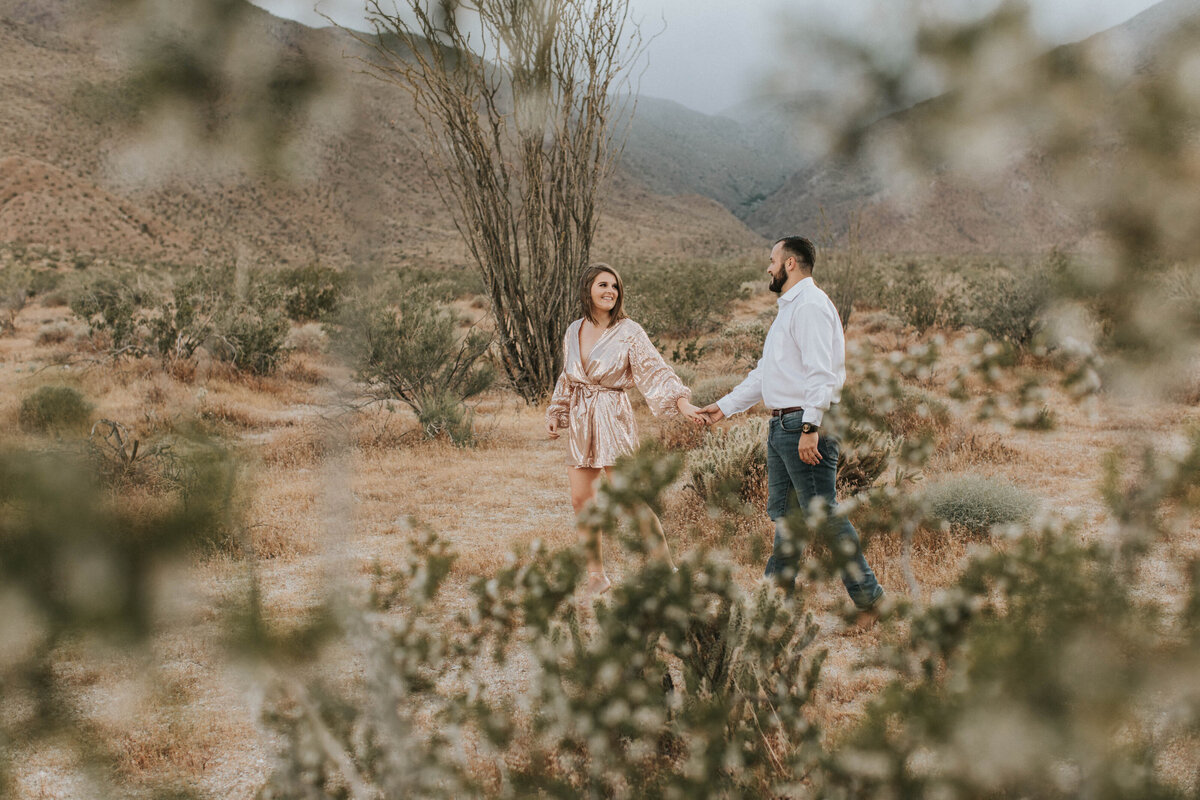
pixel 779 412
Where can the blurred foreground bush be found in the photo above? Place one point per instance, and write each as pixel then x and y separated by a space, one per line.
pixel 80 577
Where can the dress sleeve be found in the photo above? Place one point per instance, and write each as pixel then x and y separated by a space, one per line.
pixel 560 402
pixel 654 378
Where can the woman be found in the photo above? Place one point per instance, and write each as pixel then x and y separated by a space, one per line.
pixel 606 353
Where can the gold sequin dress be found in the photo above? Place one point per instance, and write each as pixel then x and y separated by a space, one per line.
pixel 590 403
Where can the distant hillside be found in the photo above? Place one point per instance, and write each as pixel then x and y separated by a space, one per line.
pixel 738 158
pixel 39 201
pixel 360 192
pixel 1021 206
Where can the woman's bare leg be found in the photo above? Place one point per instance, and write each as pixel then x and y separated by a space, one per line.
pixel 583 490
pixel 660 550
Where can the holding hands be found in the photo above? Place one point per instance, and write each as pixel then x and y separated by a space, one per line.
pixel 712 413
pixel 701 416
pixel 690 411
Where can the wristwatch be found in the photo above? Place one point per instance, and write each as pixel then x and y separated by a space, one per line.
pixel 808 427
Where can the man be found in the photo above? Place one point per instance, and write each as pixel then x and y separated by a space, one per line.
pixel 799 376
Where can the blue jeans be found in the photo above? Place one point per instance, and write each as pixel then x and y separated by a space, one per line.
pixel 790 484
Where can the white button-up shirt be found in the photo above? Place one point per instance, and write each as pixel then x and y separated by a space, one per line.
pixel 804 358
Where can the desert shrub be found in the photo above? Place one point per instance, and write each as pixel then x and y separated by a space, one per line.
pixel 675 434
pixel 187 320
pixel 1010 306
pixel 439 284
pixel 976 504
pixel 312 292
pixel 681 301
pixel 880 321
pixel 917 296
pixel 743 341
pixel 916 414
pixel 444 413
pixel 54 409
pixel 415 353
pixel 863 456
pixel 256 340
pixel 111 307
pixel 14 294
pixel 842 267
pixel 1036 418
pixel 246 328
pixel 710 390
pixel 729 469
pixel 902 410
pixel 54 334
pixel 42 281
pixel 310 338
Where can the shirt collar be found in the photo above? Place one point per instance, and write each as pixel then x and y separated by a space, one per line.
pixel 794 292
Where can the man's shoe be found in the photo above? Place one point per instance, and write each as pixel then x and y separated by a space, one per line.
pixel 867 617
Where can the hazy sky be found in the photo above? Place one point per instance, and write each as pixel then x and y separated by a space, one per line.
pixel 712 54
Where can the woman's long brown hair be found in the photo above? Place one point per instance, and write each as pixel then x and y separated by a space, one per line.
pixel 585 293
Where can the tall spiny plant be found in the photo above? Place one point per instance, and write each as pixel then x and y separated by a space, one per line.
pixel 517 102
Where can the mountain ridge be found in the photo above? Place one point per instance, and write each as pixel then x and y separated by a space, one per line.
pixel 360 193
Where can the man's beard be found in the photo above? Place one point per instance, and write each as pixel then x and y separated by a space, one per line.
pixel 777 281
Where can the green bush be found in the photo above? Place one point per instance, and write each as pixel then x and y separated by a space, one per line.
pixel 414 351
pixel 682 301
pixel 54 409
pixel 1010 306
pixel 256 340
pixel 744 341
pixel 246 328
pixel 186 321
pixel 312 292
pixel 976 503
pixel 111 308
pixel 915 297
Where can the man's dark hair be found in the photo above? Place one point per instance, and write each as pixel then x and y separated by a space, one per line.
pixel 801 248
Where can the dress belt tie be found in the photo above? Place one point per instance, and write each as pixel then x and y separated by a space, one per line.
pixel 593 389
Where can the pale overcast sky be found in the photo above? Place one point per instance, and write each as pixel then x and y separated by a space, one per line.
pixel 712 54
